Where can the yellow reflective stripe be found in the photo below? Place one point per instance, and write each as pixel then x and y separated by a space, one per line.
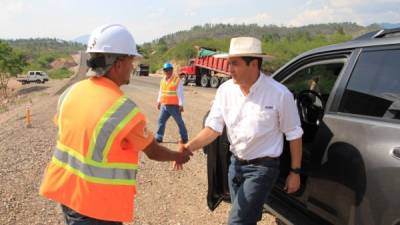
pixel 101 123
pixel 90 178
pixel 169 94
pixel 81 158
pixel 119 127
pixel 60 106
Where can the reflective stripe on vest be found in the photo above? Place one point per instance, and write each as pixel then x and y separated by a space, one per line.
pixel 60 105
pixel 122 111
pixel 94 167
pixel 168 91
pixel 74 162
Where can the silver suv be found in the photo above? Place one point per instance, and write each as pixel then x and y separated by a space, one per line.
pixel 348 97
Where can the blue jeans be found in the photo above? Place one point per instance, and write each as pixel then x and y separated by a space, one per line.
pixel 166 112
pixel 75 218
pixel 249 187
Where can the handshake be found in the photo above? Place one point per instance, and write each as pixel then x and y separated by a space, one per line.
pixel 182 156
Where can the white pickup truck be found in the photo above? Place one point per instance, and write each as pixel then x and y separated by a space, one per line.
pixel 34 76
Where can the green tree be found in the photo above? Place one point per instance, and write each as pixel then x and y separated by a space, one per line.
pixel 11 63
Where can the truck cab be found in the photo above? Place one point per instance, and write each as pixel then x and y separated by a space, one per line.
pixel 142 70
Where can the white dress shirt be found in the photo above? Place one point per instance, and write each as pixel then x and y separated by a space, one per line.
pixel 256 122
pixel 179 93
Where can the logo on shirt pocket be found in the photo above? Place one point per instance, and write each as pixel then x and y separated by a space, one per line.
pixel 271 107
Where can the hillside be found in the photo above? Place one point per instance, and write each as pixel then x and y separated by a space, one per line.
pixel 221 31
pixel 283 43
pixel 48 54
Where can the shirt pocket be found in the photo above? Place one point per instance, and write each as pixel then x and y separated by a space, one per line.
pixel 264 121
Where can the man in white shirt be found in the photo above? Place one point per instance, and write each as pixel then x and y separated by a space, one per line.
pixel 257 111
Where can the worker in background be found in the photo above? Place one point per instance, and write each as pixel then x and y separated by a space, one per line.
pixel 101 132
pixel 170 103
pixel 257 111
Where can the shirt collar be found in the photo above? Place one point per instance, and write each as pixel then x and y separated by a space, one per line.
pixel 257 84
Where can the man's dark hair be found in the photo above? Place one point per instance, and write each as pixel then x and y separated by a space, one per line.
pixel 248 59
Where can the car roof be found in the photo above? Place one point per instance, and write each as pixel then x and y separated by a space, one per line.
pixel 374 38
pixel 366 40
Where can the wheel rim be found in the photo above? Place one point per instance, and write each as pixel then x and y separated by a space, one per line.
pixel 204 81
pixel 214 82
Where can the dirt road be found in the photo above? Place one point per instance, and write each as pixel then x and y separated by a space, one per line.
pixel 164 196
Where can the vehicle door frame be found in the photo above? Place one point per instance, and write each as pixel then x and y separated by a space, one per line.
pixel 348 57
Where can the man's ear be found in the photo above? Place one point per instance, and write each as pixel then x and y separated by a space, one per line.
pixel 254 63
pixel 114 67
pixel 117 64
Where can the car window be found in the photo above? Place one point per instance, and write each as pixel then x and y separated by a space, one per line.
pixel 31 73
pixel 319 77
pixel 374 86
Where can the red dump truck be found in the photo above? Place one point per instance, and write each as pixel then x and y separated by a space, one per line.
pixel 205 70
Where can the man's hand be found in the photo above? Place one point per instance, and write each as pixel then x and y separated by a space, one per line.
pixel 181 148
pixel 183 156
pixel 180 108
pixel 292 183
pixel 158 106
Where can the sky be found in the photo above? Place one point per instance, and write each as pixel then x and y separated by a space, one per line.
pixel 151 19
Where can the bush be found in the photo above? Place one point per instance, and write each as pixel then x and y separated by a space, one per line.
pixel 60 73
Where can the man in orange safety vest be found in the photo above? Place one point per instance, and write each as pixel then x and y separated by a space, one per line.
pixel 92 173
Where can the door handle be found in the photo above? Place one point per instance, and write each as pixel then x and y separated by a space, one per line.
pixel 396 152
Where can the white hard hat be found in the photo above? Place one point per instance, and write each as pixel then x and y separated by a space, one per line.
pixel 113 39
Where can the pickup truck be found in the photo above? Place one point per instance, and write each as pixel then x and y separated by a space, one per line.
pixel 34 76
pixel 351 145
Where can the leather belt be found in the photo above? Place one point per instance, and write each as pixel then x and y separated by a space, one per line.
pixel 254 161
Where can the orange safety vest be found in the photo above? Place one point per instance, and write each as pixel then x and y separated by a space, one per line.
pixel 168 91
pixel 94 165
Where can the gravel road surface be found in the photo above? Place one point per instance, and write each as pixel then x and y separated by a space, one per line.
pixel 164 196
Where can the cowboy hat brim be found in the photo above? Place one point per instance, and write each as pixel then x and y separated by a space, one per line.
pixel 226 55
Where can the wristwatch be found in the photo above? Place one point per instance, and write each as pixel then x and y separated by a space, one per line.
pixel 295 170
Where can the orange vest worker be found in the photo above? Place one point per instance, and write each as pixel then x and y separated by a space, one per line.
pixel 94 165
pixel 168 91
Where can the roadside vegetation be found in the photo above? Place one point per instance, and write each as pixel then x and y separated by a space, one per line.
pixel 282 43
pixel 60 73
pixel 19 56
pixel 40 53
pixel 11 63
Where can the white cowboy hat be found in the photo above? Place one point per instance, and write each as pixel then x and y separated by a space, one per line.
pixel 244 46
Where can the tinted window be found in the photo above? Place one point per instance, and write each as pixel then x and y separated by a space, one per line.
pixel 318 77
pixel 374 86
